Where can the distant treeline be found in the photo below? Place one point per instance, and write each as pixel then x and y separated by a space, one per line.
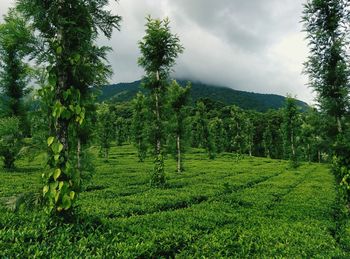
pixel 227 128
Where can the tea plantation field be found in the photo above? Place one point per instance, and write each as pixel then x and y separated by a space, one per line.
pixel 251 208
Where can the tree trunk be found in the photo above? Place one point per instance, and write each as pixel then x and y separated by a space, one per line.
pixel 179 169
pixel 319 156
pixel 106 153
pixel 158 140
pixel 308 153
pixel 339 125
pixel 78 154
pixel 292 144
pixel 61 125
pixel 139 150
pixel 9 160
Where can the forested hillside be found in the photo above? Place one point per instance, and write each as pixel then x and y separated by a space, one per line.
pixel 246 100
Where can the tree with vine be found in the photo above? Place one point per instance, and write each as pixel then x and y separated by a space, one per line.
pixel 68 30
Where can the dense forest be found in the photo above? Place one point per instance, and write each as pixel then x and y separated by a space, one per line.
pixel 55 100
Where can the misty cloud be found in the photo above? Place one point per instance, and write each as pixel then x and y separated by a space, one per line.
pixel 247 45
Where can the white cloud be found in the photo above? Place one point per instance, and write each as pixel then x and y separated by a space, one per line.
pixel 247 45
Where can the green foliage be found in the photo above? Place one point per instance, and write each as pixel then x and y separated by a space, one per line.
pixel 105 129
pixel 139 125
pixel 251 208
pixel 68 31
pixel 202 136
pixel 313 135
pixel 159 50
pixel 16 41
pixel 290 129
pixel 217 131
pixel 236 130
pixel 158 174
pixel 178 121
pixel 326 25
pixel 10 140
pixel 120 130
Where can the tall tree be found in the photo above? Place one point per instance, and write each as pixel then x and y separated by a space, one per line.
pixel 207 139
pixel 159 50
pixel 105 129
pixel 16 41
pixel 267 140
pixel 325 23
pixel 311 135
pixel 249 133
pixel 217 131
pixel 9 140
pixel 236 130
pixel 290 129
pixel 120 130
pixel 139 123
pixel 68 30
pixel 179 98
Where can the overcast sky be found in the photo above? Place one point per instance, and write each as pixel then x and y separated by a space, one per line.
pixel 250 45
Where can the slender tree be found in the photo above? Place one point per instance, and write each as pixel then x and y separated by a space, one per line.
pixel 236 130
pixel 249 133
pixel 105 129
pixel 68 30
pixel 310 133
pixel 16 42
pixel 207 139
pixel 290 128
pixel 120 130
pixel 325 23
pixel 179 98
pixel 216 128
pixel 267 140
pixel 139 125
pixel 159 50
pixel 9 140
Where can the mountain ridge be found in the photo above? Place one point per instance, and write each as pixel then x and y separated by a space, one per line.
pixel 122 92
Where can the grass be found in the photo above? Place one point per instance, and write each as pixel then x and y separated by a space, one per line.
pixel 252 208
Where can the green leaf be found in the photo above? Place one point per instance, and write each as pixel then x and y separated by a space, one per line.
pixel 53 185
pixel 56 174
pixel 66 94
pixel 66 202
pixel 50 140
pixel 60 185
pixel 77 109
pixel 72 195
pixel 59 50
pixel 52 79
pixel 57 148
pixel 76 57
pixel 57 196
pixel 60 147
pixel 66 114
pixel 45 189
